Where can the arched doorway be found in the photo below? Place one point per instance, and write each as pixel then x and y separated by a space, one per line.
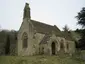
pixel 53 48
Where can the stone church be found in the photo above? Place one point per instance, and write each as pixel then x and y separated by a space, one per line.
pixel 35 38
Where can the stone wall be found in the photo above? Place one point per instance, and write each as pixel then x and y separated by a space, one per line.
pixel 47 49
pixel 24 29
pixel 37 40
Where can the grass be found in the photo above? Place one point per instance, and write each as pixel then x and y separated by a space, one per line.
pixel 40 60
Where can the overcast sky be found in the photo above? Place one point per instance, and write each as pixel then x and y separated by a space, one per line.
pixel 53 12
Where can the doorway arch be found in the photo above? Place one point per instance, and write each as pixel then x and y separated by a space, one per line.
pixel 53 48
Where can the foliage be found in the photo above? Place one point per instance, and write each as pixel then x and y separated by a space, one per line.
pixel 81 17
pixel 66 29
pixel 81 41
pixel 81 20
pixel 8 40
pixel 7 46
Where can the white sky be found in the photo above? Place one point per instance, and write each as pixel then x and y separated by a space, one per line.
pixel 53 12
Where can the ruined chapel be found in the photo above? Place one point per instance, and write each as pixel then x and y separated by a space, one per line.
pixel 36 38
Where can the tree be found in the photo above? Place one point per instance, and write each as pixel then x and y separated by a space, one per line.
pixel 81 17
pixel 81 21
pixel 66 29
pixel 7 46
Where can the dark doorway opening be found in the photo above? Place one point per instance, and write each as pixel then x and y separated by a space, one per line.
pixel 53 48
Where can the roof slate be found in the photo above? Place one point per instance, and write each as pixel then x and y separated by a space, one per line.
pixel 49 29
pixel 45 28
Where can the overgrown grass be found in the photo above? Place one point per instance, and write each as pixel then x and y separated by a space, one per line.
pixel 40 60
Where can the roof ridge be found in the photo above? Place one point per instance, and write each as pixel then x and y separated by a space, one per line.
pixel 42 23
pixel 45 28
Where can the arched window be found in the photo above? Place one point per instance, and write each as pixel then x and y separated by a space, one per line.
pixel 24 40
pixel 62 44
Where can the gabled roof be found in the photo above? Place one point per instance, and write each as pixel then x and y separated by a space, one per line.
pixel 45 28
pixel 49 29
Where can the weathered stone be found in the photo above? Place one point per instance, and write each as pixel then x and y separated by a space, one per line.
pixel 26 11
pixel 42 38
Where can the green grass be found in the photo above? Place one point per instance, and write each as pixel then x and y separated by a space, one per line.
pixel 40 60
